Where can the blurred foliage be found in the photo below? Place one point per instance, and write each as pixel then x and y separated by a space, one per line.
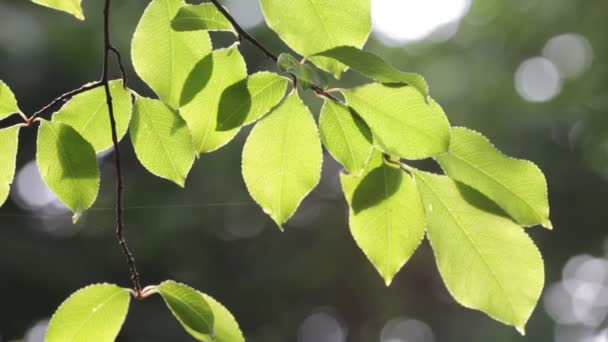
pixel 272 281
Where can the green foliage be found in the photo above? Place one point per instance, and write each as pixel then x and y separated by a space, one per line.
pixel 486 260
pixel 161 140
pixel 190 308
pixel 225 327
pixel 68 165
pixel 401 121
pixel 200 17
pixel 162 57
pixel 282 159
pixel 93 314
pixel 88 114
pixel 8 103
pixel 517 186
pixel 72 7
pixel 8 150
pixel 306 74
pixel 326 25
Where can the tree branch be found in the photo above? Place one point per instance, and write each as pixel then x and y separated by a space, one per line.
pixel 120 228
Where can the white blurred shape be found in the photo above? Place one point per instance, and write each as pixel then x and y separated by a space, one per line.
pixel 400 21
pixel 30 191
pixel 570 52
pixel 558 304
pixel 573 334
pixel 406 330
pixel 537 80
pixel 247 13
pixel 36 332
pixel 321 326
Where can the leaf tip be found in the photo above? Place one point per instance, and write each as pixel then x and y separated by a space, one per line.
pixel 76 217
pixel 547 224
pixel 521 330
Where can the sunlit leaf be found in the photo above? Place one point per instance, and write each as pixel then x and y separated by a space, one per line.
pixel 517 186
pixel 72 7
pixel 88 114
pixel 8 103
pixel 190 308
pixel 161 140
pixel 310 26
pixel 68 165
pixel 282 159
pixel 306 73
pixel 375 67
pixel 200 110
pixel 248 100
pixel 163 57
pixel 402 122
pixel 386 215
pixel 200 17
pixel 346 137
pixel 92 314
pixel 486 260
pixel 9 138
pixel 225 327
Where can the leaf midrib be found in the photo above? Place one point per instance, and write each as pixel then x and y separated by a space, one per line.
pixel 174 296
pixel 90 317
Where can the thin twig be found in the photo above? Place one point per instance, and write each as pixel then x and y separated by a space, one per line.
pixel 120 228
pixel 123 74
pixel 244 35
pixel 62 99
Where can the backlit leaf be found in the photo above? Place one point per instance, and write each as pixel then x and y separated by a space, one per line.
pixel 190 308
pixel 517 186
pixel 200 17
pixel 88 114
pixel 282 159
pixel 161 140
pixel 68 165
pixel 9 138
pixel 386 215
pixel 486 260
pixel 311 26
pixel 346 137
pixel 225 327
pixel 163 57
pixel 401 121
pixel 92 314
pixel 72 7
pixel 8 103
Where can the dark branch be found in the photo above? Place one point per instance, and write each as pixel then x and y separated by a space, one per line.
pixel 61 100
pixel 120 228
pixel 244 35
pixel 123 74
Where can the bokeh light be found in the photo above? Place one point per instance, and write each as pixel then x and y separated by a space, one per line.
pixel 571 53
pixel 406 330
pixel 322 326
pixel 537 80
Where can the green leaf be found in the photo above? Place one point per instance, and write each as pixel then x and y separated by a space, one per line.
pixel 162 57
pixel 310 26
pixel 200 17
pixel 161 140
pixel 307 74
pixel 92 314
pixel 9 138
pixel 190 308
pixel 8 103
pixel 517 186
pixel 375 67
pixel 249 99
pixel 72 7
pixel 282 159
pixel 346 136
pixel 88 114
pixel 402 122
pixel 201 113
pixel 225 326
pixel 386 216
pixel 68 165
pixel 486 260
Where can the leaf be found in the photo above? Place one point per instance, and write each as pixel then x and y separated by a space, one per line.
pixel 162 57
pixel 249 99
pixel 200 17
pixel 8 103
pixel 386 216
pixel 72 7
pixel 225 326
pixel 311 26
pixel 88 114
pixel 375 67
pixel 190 308
pixel 201 113
pixel 9 138
pixel 307 74
pixel 68 165
pixel 486 260
pixel 517 186
pixel 402 122
pixel 282 159
pixel 161 140
pixel 346 136
pixel 92 314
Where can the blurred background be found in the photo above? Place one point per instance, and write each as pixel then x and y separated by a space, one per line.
pixel 529 74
